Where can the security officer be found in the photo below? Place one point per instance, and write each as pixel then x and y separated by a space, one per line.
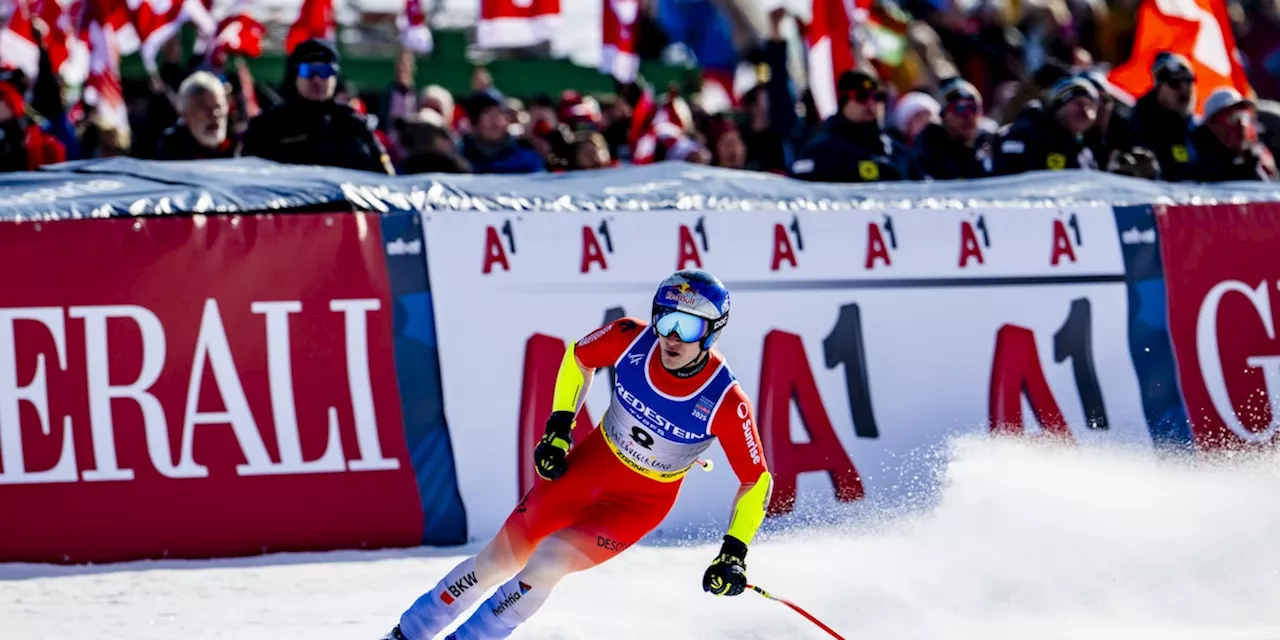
pixel 1162 119
pixel 309 127
pixel 852 146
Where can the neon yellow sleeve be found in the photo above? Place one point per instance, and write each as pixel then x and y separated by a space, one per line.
pixel 569 383
pixel 748 512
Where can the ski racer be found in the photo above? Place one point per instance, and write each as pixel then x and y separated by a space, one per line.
pixel 674 394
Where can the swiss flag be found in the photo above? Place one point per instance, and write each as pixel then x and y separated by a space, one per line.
pixel 1199 30
pixel 238 33
pixel 315 20
pixel 516 23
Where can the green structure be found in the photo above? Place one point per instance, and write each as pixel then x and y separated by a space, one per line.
pixel 450 66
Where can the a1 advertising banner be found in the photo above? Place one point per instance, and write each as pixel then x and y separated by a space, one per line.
pixel 864 338
pixel 1223 282
pixel 199 386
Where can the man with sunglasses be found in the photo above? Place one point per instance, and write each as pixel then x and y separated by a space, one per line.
pixel 852 145
pixel 310 127
pixel 1162 119
pixel 674 394
pixel 957 147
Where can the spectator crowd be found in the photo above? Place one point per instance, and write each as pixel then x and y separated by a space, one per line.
pixel 969 110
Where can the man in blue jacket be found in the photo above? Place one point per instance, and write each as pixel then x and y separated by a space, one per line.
pixel 490 148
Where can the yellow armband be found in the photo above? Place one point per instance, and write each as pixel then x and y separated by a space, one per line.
pixel 568 383
pixel 748 513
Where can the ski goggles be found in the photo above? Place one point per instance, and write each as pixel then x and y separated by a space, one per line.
pixel 322 70
pixel 688 327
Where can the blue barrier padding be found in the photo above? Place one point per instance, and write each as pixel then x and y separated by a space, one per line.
pixel 418 376
pixel 1149 341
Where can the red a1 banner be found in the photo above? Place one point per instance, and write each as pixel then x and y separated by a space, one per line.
pixel 199 386
pixel 1222 280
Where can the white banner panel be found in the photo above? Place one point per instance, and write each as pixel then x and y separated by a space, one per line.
pixel 882 332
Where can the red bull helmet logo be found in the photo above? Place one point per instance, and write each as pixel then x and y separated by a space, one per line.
pixel 683 294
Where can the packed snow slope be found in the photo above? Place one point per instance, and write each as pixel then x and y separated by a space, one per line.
pixel 1020 541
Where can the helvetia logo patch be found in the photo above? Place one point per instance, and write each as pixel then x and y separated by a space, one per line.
pixel 506 602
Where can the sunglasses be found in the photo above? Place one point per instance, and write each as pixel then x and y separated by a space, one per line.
pixel 322 70
pixel 866 95
pixel 688 327
pixel 964 108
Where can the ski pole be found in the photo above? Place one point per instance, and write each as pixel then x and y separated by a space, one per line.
pixel 706 464
pixel 797 609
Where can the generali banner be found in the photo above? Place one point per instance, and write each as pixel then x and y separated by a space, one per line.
pixel 199 386
pixel 864 338
pixel 1223 286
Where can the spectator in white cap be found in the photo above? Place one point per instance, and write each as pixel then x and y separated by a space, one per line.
pixel 913 112
pixel 1225 142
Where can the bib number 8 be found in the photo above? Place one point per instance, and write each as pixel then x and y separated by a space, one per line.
pixel 642 437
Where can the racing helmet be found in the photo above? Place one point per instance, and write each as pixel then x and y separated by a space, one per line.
pixel 693 304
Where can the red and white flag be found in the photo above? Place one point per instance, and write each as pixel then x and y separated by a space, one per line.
pixel 103 89
pixel 1200 30
pixel 68 53
pixel 415 35
pixel 830 52
pixel 158 21
pixel 618 56
pixel 18 47
pixel 315 20
pixel 516 23
pixel 238 33
pixel 653 122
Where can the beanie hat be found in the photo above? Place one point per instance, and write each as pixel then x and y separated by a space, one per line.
pixel 911 105
pixel 313 50
pixel 957 89
pixel 1099 82
pixel 478 103
pixel 1168 66
pixel 852 81
pixel 1069 89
